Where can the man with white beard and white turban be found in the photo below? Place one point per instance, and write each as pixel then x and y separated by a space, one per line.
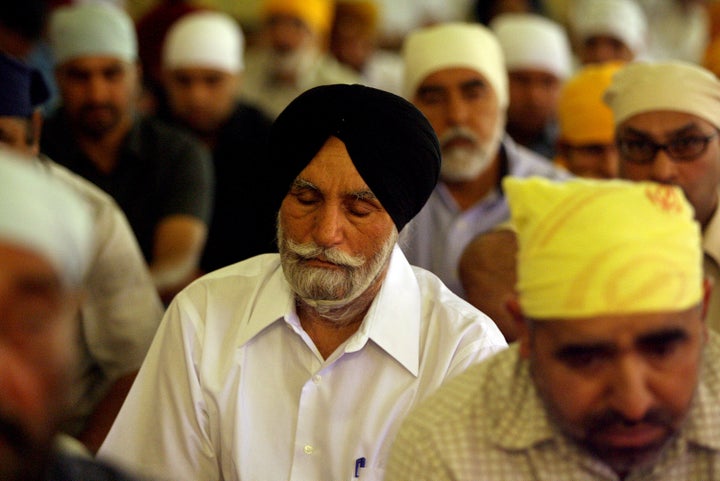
pixel 302 364
pixel 455 74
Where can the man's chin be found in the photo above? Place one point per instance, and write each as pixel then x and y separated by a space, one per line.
pixel 624 451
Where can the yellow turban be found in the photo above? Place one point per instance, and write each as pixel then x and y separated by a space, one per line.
pixel 316 14
pixel 582 115
pixel 590 248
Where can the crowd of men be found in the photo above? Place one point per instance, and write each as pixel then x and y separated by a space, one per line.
pixel 492 253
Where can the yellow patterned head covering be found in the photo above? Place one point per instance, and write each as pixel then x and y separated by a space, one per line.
pixel 590 248
pixel 316 14
pixel 583 116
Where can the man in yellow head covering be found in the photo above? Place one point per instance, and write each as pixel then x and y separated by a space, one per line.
pixel 586 138
pixel 291 55
pixel 615 375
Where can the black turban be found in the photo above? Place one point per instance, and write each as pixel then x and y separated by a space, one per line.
pixel 22 88
pixel 391 144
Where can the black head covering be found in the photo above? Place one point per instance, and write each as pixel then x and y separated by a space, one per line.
pixel 22 88
pixel 391 144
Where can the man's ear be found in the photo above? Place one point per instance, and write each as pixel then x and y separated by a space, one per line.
pixel 707 292
pixel 521 326
pixel 33 138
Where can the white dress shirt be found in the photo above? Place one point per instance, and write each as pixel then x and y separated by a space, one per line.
pixel 234 389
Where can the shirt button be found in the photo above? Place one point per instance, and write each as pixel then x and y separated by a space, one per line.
pixel 308 449
pixel 316 379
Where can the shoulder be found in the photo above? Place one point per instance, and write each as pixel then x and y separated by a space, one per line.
pixel 523 162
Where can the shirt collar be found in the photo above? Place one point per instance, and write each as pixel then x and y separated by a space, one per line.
pixel 711 237
pixel 393 321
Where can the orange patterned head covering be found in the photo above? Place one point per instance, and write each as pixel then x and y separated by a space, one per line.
pixel 589 248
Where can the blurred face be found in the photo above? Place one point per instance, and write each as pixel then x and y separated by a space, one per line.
pixel 352 44
pixel 534 97
pixel 37 330
pixel 604 48
pixel 293 43
pixel 697 175
pixel 619 386
pixel 98 94
pixel 464 111
pixel 335 237
pixel 201 98
pixel 15 133
pixel 594 160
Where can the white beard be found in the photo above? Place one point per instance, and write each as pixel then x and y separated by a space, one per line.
pixel 462 164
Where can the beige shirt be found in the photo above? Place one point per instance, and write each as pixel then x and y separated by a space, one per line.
pixel 489 424
pixel 711 263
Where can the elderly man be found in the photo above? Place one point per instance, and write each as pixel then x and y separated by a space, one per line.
pixel 667 117
pixel 291 55
pixel 301 365
pixel 455 74
pixel 121 309
pixel 615 376
pixel 161 178
pixel 538 60
pixel 45 247
pixel 608 30
pixel 202 71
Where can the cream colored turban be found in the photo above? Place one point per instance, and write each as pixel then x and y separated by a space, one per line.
pixel 92 29
pixel 593 248
pixel 674 85
pixel 621 19
pixel 40 214
pixel 450 45
pixel 532 41
pixel 583 116
pixel 204 39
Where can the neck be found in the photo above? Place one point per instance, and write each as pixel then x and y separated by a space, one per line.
pixel 328 330
pixel 103 151
pixel 467 193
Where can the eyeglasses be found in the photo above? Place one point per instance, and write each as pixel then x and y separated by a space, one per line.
pixel 683 149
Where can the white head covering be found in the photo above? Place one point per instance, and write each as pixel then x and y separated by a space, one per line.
pixel 39 213
pixel 204 39
pixel 622 19
pixel 451 45
pixel 92 29
pixel 531 41
pixel 674 85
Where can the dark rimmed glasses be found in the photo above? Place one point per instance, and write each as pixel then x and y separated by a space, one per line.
pixel 640 150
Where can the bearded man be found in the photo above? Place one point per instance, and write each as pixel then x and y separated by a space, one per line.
pixel 455 74
pixel 301 365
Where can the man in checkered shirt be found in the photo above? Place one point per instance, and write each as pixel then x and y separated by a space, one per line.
pixel 615 375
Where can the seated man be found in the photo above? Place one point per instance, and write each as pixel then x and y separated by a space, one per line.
pixel 202 67
pixel 586 137
pixel 160 177
pixel 45 248
pixel 301 365
pixel 615 375
pixel 120 310
pixel 607 30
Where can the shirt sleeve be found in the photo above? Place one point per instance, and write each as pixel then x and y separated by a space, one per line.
pixel 162 429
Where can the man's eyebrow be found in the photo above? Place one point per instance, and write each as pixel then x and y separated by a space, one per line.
pixel 363 195
pixel 662 337
pixel 573 349
pixel 300 183
pixel 690 126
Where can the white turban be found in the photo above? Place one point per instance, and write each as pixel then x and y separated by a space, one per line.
pixel 39 213
pixel 621 19
pixel 92 29
pixel 204 39
pixel 531 41
pixel 452 45
pixel 674 85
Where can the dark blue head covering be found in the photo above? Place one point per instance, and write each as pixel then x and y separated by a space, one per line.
pixel 390 142
pixel 22 88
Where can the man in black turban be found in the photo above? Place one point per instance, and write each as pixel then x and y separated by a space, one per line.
pixel 302 365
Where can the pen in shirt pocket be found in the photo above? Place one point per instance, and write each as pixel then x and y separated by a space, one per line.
pixel 359 464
